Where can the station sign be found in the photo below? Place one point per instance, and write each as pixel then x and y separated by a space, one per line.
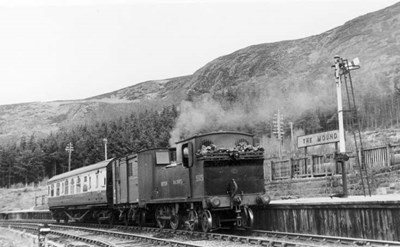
pixel 318 139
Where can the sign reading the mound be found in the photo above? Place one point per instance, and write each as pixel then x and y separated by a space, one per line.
pixel 318 139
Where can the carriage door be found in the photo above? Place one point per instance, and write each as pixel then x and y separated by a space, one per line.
pixel 123 181
pixel 116 181
pixel 133 182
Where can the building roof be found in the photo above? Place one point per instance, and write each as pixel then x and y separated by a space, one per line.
pixel 81 170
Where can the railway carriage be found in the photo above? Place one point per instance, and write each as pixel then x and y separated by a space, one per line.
pixel 75 194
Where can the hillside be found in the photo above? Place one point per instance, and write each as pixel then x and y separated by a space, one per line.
pixel 243 88
pixel 42 118
pixel 304 66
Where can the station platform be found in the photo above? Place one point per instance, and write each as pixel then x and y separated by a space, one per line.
pixel 380 199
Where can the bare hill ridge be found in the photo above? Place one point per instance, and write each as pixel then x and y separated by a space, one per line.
pixel 294 74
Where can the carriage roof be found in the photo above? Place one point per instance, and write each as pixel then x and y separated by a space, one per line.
pixel 81 170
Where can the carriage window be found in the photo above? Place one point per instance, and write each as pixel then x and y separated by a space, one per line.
pixel 97 180
pixel 130 169
pixel 102 179
pixel 52 190
pixel 78 185
pixel 66 186
pixel 85 187
pixel 90 182
pixel 48 190
pixel 72 186
pixel 58 189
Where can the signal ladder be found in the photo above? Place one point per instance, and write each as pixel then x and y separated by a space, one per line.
pixel 353 119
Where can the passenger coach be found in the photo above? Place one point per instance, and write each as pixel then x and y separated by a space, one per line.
pixel 73 195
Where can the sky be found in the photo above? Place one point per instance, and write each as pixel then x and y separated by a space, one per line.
pixel 66 50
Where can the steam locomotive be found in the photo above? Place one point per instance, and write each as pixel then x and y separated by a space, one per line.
pixel 208 181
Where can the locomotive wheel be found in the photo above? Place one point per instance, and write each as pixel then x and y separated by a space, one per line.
pixel 206 221
pixel 247 217
pixel 160 211
pixel 175 219
pixel 192 220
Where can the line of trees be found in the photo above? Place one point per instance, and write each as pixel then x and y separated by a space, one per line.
pixel 32 159
pixel 380 111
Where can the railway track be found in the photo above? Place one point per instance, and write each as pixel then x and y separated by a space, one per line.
pixel 322 239
pixel 188 237
pixel 99 237
pixel 131 235
pixel 263 238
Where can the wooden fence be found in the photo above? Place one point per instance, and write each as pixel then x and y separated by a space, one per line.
pixel 325 165
pixel 372 220
pixel 311 166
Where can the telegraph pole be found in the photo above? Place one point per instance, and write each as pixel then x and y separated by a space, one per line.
pixel 9 175
pixel 292 147
pixel 105 148
pixel 69 149
pixel 279 130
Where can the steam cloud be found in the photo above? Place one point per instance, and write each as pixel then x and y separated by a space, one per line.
pixel 207 114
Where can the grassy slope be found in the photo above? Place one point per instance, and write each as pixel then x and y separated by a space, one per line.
pixel 23 198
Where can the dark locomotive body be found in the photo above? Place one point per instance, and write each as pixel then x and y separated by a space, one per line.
pixel 208 180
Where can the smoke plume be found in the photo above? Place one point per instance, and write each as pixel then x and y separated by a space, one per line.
pixel 206 114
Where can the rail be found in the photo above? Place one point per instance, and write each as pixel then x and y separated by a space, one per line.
pixel 114 238
pixel 327 239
